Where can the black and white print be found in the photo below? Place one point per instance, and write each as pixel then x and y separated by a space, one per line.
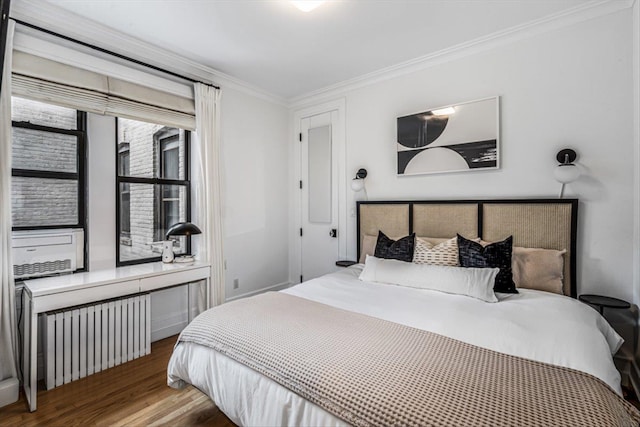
pixel 456 138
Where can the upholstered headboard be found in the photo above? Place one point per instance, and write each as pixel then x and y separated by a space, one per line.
pixel 533 223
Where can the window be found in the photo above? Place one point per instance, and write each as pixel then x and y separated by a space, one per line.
pixel 48 152
pixel 153 189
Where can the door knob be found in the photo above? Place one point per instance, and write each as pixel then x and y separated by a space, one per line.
pixel 333 232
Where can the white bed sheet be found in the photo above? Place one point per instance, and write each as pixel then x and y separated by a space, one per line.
pixel 532 324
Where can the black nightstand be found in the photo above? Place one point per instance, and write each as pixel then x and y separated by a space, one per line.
pixel 602 302
pixel 345 263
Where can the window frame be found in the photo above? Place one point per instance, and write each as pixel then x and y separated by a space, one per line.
pixel 80 175
pixel 186 182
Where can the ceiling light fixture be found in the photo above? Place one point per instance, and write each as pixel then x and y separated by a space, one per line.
pixel 307 5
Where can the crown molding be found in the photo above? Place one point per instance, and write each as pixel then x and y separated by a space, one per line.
pixel 583 12
pixel 59 20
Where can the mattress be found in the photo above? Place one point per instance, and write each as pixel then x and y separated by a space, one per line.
pixel 532 324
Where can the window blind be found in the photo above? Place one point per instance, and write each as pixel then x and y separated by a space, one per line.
pixel 41 79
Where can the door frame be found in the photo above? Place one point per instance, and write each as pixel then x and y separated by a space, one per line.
pixel 295 251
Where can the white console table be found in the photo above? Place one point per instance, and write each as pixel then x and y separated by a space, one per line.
pixel 59 292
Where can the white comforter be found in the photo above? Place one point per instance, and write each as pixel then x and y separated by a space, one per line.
pixel 532 324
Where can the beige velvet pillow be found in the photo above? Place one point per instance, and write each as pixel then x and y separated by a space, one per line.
pixel 540 269
pixel 368 247
pixel 443 253
pixel 537 268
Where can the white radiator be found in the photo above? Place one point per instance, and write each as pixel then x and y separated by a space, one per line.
pixel 88 339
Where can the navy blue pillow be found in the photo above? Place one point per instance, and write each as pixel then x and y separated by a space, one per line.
pixel 473 254
pixel 401 249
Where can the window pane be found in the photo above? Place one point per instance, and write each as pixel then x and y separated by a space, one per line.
pixel 37 113
pixel 44 151
pixel 125 210
pixel 148 210
pixel 44 201
pixel 170 156
pixel 155 151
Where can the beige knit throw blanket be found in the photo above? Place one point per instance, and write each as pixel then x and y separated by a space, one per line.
pixel 369 371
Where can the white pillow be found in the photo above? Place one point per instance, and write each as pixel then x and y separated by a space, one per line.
pixel 474 282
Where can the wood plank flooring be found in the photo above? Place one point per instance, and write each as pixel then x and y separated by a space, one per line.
pixel 132 394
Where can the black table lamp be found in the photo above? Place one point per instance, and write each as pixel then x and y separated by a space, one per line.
pixel 183 229
pixel 178 229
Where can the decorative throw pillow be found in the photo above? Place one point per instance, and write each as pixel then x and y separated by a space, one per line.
pixel 401 249
pixel 541 269
pixel 445 253
pixel 473 254
pixel 368 247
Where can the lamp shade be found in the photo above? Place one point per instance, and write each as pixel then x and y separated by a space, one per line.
pixel 566 173
pixel 357 184
pixel 183 229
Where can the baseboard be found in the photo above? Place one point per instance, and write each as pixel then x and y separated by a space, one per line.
pixel 276 287
pixel 167 331
pixel 9 389
pixel 168 325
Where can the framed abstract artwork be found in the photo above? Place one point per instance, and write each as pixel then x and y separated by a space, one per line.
pixel 454 138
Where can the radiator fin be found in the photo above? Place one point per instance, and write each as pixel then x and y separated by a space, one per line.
pixel 88 339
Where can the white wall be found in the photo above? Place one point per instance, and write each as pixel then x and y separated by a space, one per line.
pixel 570 87
pixel 256 211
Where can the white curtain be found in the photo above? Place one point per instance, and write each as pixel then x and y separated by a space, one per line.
pixel 8 346
pixel 209 186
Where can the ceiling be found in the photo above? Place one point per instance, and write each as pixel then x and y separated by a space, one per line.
pixel 274 46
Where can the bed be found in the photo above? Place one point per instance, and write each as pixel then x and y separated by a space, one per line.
pixel 338 350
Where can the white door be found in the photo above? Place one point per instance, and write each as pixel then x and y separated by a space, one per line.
pixel 319 198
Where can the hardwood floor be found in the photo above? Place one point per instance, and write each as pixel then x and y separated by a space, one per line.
pixel 132 394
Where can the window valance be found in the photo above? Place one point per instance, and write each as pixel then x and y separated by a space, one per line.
pixel 79 80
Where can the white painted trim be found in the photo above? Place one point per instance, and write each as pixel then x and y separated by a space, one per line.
pixel 636 153
pixel 583 12
pixel 59 20
pixel 9 390
pixel 167 326
pixel 340 106
pixel 276 287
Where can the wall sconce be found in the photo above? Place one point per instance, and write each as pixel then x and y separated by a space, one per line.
pixel 566 171
pixel 357 183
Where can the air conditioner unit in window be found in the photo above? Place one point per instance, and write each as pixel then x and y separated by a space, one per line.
pixel 44 252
